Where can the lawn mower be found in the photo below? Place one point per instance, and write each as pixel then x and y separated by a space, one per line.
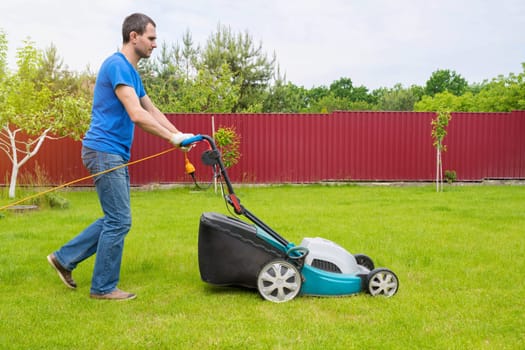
pixel 233 252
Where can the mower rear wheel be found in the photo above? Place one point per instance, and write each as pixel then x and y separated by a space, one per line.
pixel 365 261
pixel 382 282
pixel 279 281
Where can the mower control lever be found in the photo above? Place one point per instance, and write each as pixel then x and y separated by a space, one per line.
pixel 235 203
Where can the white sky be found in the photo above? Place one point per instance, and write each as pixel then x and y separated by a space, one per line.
pixel 376 43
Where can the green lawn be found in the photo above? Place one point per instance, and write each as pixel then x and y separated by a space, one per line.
pixel 459 255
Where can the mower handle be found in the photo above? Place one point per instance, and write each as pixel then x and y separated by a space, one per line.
pixel 190 140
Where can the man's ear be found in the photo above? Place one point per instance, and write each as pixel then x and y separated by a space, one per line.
pixel 133 35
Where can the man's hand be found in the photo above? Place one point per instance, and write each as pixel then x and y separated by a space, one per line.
pixel 177 138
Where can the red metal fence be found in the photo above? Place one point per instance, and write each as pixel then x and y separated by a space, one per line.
pixel 305 148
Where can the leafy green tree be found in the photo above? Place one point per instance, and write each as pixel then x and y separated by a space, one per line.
pixel 189 56
pixel 439 131
pixel 445 80
pixel 178 82
pixel 361 94
pixel 286 98
pixel 163 77
pixel 501 94
pixel 4 81
pixel 342 88
pixel 314 95
pixel 397 98
pixel 330 103
pixel 209 92
pixel 251 68
pixel 444 101
pixel 3 54
pixel 33 110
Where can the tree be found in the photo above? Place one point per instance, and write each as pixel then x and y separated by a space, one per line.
pixel 444 101
pixel 286 98
pixel 445 80
pixel 501 94
pixel 439 131
pixel 397 98
pixel 163 76
pixel 33 108
pixel 209 92
pixel 329 103
pixel 342 88
pixel 251 68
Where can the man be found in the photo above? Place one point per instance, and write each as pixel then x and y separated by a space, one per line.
pixel 119 103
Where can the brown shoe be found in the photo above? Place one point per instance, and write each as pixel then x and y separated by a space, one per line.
pixel 65 275
pixel 117 294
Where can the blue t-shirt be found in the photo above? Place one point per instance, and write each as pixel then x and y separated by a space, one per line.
pixel 111 129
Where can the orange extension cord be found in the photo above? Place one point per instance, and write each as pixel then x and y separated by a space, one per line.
pixel 85 178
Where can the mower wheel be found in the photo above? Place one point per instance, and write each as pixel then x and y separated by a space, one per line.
pixel 382 281
pixel 279 281
pixel 365 261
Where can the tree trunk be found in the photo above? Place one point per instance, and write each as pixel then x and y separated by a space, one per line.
pixel 18 164
pixel 12 184
pixel 437 169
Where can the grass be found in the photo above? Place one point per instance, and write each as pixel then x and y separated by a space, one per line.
pixel 459 255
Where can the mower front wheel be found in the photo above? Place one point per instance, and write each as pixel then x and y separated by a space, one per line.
pixel 382 281
pixel 279 281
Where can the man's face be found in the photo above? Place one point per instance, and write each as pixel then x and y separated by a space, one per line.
pixel 146 42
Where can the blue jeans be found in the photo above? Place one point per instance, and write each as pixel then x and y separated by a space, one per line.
pixel 105 236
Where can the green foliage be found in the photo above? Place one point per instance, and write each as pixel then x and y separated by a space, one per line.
pixel 439 131
pixel 444 101
pixel 39 96
pixel 328 104
pixel 251 68
pixel 444 80
pixel 228 142
pixel 286 98
pixel 439 128
pixel 398 98
pixel 56 201
pixel 5 84
pixel 501 94
pixel 210 93
pixel 163 78
pixel 342 88
pixel 450 176
pixel 39 101
pixel 50 200
pixel 180 81
pixel 232 73
pixel 3 54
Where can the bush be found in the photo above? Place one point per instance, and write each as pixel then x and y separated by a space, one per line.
pixel 56 201
pixel 228 142
pixel 450 176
